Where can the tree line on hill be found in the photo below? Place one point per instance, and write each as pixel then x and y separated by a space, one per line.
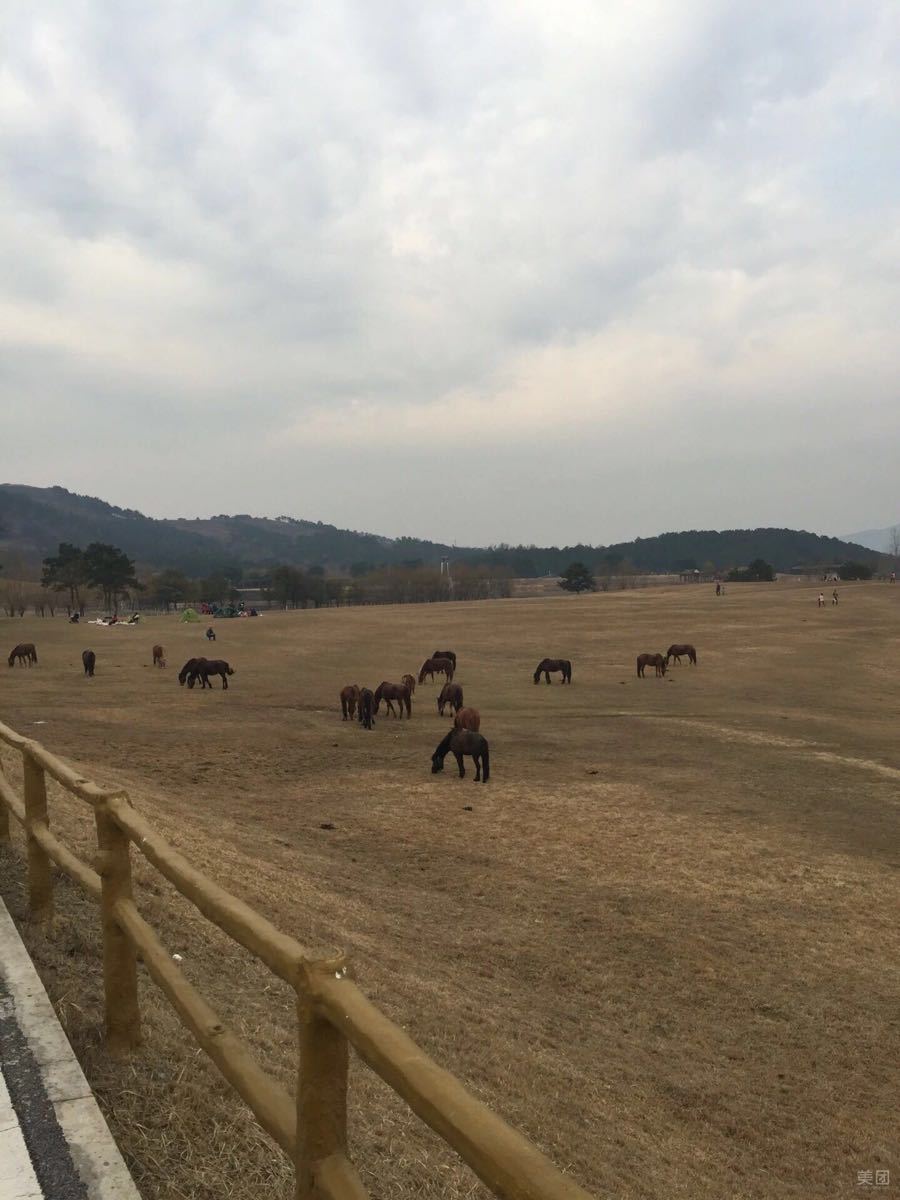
pixel 36 520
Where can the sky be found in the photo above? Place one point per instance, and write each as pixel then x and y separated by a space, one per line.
pixel 519 272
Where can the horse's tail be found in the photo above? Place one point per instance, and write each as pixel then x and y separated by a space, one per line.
pixel 404 699
pixel 639 666
pixel 485 763
pixel 693 656
pixel 568 671
pixel 33 654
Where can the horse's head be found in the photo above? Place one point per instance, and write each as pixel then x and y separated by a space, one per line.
pixel 437 764
pixel 230 670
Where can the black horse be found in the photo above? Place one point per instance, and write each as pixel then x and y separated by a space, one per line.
pixel 89 658
pixel 546 665
pixel 366 710
pixel 210 634
pixel 211 666
pixel 459 742
pixel 675 651
pixel 451 654
pixel 190 672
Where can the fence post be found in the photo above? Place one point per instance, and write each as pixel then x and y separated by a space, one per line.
pixel 123 1015
pixel 40 877
pixel 321 1087
pixel 4 813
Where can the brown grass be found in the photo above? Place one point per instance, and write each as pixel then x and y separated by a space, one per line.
pixel 663 943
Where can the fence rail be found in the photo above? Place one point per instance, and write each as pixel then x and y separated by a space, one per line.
pixel 332 1012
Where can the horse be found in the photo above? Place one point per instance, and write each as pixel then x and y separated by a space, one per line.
pixel 74 618
pixel 210 634
pixel 546 665
pixel 410 681
pixel 212 666
pixel 452 694
pixel 467 718
pixel 366 715
pixel 89 658
pixel 159 656
pixel 651 660
pixel 437 666
pixel 190 671
pixel 451 654
pixel 388 692
pixel 349 701
pixel 25 653
pixel 460 742
pixel 677 651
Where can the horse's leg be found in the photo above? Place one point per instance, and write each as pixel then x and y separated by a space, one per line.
pixel 476 758
pixel 460 764
pixel 224 681
pixel 547 676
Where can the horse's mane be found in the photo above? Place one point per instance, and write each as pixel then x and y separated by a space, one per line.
pixel 443 747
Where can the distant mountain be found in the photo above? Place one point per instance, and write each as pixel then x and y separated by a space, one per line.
pixel 875 539
pixel 33 521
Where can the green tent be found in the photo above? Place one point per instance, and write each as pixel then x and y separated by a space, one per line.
pixel 190 614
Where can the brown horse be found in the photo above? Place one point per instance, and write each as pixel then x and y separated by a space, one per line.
pixel 452 694
pixel 212 666
pixel 190 671
pixel 451 654
pixel 437 666
pixel 410 681
pixel 349 701
pixel 25 653
pixel 460 742
pixel 89 658
pixel 546 665
pixel 677 651
pixel 366 715
pixel 651 660
pixel 159 656
pixel 389 692
pixel 467 718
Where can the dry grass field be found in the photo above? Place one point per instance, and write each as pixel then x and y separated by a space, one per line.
pixel 662 941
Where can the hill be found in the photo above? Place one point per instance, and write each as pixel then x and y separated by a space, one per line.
pixel 875 539
pixel 33 521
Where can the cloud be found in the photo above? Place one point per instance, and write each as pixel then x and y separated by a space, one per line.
pixel 368 231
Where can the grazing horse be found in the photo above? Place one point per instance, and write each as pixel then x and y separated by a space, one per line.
pixel 467 718
pixel 349 701
pixel 451 654
pixel 366 708
pixel 389 692
pixel 159 656
pixel 546 665
pixel 190 671
pixel 410 681
pixel 452 694
pixel 89 658
pixel 651 660
pixel 212 666
pixel 677 651
pixel 437 666
pixel 460 742
pixel 25 653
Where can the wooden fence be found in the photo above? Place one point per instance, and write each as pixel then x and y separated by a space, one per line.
pixel 332 1012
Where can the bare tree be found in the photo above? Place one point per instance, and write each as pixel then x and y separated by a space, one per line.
pixel 894 541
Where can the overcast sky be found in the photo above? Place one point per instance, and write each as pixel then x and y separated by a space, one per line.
pixel 520 271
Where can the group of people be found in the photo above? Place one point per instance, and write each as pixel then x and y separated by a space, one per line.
pixel 821 600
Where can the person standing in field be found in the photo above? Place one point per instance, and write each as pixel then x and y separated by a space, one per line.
pixel 834 596
pixel 821 603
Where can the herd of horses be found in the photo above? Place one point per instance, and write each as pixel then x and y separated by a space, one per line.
pixel 464 739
